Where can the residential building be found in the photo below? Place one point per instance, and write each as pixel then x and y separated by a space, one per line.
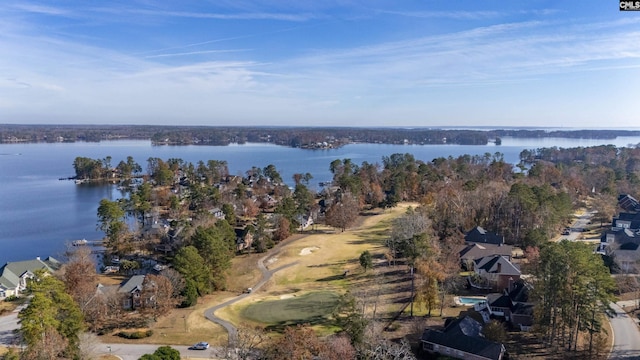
pixel 474 251
pixel 497 271
pixel 14 275
pixel 480 235
pixel 131 292
pixel 462 339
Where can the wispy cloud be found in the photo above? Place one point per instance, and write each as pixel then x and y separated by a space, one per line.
pixel 210 15
pixel 459 15
pixel 41 9
pixel 203 52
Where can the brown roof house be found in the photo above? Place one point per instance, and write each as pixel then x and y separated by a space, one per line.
pixel 14 275
pixel 462 339
pixel 497 271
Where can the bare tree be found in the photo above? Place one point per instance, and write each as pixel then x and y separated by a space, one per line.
pixel 247 344
pixel 157 295
pixel 343 213
pixel 79 276
pixel 88 346
pixel 177 281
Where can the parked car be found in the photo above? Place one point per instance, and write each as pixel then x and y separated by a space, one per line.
pixel 200 346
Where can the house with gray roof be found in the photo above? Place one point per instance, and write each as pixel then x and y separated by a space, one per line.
pixel 482 236
pixel 498 271
pixel 14 275
pixel 462 339
pixel 474 251
pixel 131 292
pixel 628 203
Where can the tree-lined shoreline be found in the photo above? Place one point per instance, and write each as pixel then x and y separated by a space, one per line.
pixel 298 137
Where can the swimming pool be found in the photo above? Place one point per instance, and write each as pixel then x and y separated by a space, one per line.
pixel 469 300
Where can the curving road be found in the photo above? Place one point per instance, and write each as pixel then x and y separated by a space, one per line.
pixel 266 276
pixel 626 337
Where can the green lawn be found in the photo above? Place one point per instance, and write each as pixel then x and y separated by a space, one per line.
pixel 312 308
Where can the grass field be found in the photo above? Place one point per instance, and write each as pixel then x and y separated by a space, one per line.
pixel 310 308
pixel 320 260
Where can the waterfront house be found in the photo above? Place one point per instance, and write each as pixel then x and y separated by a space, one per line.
pixel 14 275
pixel 131 292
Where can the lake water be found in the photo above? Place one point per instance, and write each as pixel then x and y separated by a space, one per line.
pixel 39 213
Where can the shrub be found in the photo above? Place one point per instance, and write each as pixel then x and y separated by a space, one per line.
pixel 135 334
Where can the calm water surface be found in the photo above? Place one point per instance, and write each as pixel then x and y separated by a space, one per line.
pixel 39 213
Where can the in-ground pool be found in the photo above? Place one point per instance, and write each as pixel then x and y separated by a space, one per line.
pixel 469 300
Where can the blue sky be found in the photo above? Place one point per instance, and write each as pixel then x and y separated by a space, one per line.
pixel 320 63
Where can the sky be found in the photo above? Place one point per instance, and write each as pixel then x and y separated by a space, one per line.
pixel 363 63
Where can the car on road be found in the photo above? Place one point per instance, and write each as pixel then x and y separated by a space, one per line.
pixel 566 231
pixel 200 346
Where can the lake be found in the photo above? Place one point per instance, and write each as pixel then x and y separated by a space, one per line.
pixel 39 213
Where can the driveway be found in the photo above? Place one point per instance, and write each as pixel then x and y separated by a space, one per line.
pixel 626 337
pixel 8 326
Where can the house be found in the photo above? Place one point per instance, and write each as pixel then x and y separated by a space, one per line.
pixel 512 306
pixel 244 238
pixel 462 339
pixel 497 271
pixel 14 275
pixel 623 245
pixel 628 203
pixel 131 292
pixel 474 251
pixel 626 220
pixel 482 236
pixel 217 213
pixel 305 221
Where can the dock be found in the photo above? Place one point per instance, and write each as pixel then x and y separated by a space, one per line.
pixel 85 242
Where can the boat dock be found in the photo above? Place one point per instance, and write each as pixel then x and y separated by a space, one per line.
pixel 86 242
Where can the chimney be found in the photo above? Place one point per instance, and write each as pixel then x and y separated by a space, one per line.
pixel 499 268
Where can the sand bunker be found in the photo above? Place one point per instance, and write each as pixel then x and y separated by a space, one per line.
pixel 308 250
pixel 286 296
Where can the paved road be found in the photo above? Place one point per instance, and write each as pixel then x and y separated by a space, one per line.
pixel 582 222
pixel 626 337
pixel 135 351
pixel 266 276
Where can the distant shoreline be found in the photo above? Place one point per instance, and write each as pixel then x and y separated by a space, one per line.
pixel 296 137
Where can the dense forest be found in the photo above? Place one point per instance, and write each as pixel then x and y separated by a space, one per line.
pixel 304 137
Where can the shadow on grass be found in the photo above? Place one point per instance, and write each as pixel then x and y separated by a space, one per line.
pixel 281 325
pixel 332 278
